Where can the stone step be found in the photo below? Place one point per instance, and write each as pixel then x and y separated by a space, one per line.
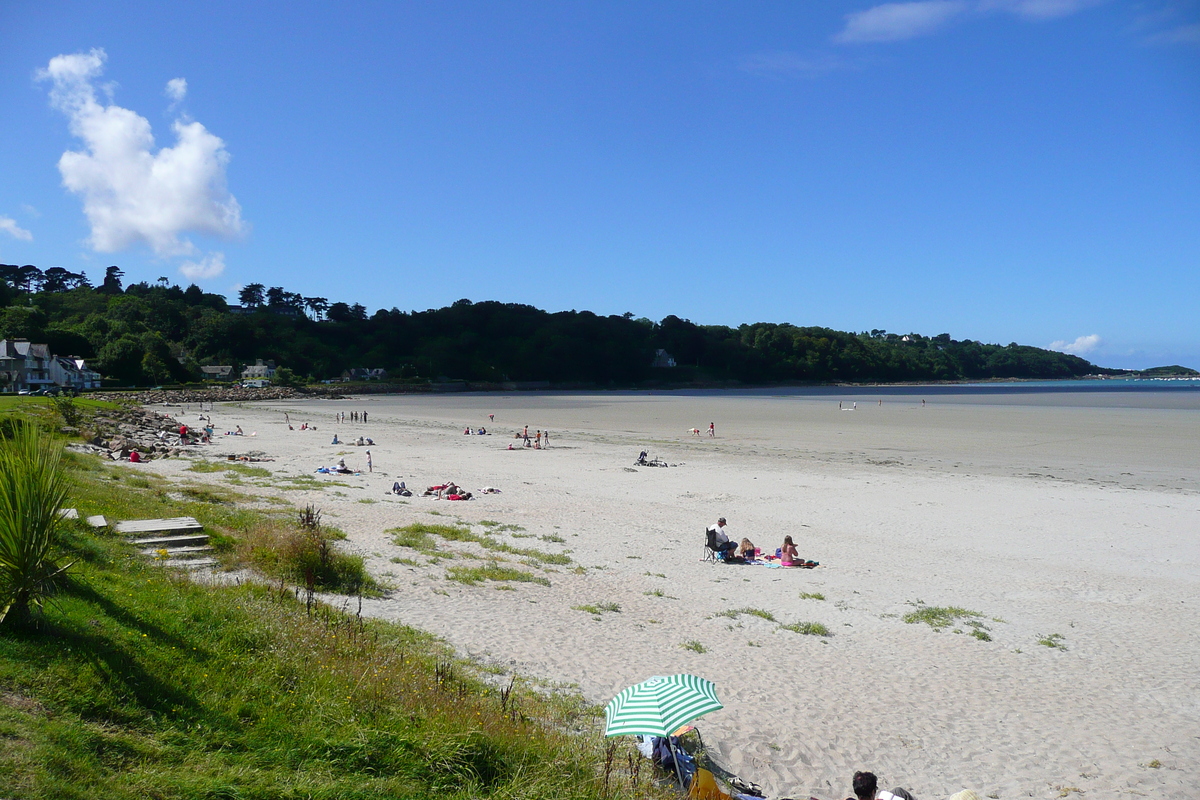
pixel 68 513
pixel 171 542
pixel 98 521
pixel 177 552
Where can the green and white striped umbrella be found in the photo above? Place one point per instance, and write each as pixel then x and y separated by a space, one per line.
pixel 660 706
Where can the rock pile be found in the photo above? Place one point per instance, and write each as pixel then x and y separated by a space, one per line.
pixel 214 394
pixel 119 432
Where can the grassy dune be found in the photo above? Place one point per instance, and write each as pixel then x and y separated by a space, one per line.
pixel 139 683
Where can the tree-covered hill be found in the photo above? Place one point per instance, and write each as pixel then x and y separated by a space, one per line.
pixel 154 333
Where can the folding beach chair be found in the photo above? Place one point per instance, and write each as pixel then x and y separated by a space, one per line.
pixel 710 545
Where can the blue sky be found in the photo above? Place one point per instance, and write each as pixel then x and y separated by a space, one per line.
pixel 1002 170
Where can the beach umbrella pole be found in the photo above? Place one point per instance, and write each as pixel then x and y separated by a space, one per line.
pixel 675 761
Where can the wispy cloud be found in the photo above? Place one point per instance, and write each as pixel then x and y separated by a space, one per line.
pixel 1038 9
pixel 892 22
pixel 132 193
pixel 1081 346
pixel 786 64
pixel 211 266
pixel 1183 34
pixel 10 226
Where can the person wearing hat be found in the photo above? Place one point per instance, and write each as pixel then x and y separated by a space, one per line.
pixel 721 536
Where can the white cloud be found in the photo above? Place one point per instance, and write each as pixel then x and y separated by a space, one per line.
pixel 9 226
pixel 1079 347
pixel 891 22
pixel 209 267
pixel 176 90
pixel 1038 9
pixel 131 193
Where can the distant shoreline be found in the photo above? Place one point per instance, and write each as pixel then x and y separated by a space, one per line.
pixel 219 394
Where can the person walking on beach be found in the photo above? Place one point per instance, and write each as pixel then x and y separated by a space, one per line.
pixel 712 430
pixel 370 466
pixel 364 416
pixel 546 440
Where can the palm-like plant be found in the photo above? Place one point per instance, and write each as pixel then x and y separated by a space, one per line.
pixel 33 489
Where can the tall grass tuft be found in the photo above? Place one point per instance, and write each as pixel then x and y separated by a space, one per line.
pixel 33 489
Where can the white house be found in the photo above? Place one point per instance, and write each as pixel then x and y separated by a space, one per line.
pixel 262 370
pixel 74 372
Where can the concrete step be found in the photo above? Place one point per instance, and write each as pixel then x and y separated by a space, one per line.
pixel 191 563
pixel 177 552
pixel 174 525
pixel 98 521
pixel 171 542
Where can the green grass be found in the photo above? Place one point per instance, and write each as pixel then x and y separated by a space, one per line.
pixel 734 613
pixel 492 572
pixel 807 628
pixel 599 608
pixel 811 596
pixel 694 646
pixel 938 617
pixel 1054 640
pixel 457 533
pixel 142 684
pixel 659 593
pixel 229 466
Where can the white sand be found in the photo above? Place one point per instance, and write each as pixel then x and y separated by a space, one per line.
pixel 1072 517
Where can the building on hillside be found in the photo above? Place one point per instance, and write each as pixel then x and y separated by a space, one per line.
pixel 262 370
pixel 364 374
pixel 662 359
pixel 74 372
pixel 24 365
pixel 217 373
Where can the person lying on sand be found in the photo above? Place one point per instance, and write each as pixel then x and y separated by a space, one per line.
pixel 399 488
pixel 866 787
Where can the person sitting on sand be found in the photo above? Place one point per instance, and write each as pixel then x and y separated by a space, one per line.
pixel 787 554
pixel 866 788
pixel 788 557
pixel 746 550
pixel 721 537
pixel 238 431
pixel 641 460
pixel 359 442
pixel 335 440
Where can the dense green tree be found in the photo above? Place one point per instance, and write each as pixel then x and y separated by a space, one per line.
pixel 159 332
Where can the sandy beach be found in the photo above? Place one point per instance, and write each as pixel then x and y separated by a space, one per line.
pixel 1072 519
